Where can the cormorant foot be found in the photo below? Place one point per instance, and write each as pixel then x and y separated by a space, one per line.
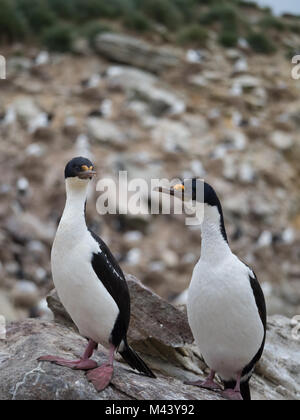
pixel 101 376
pixel 81 364
pixel 231 394
pixel 208 384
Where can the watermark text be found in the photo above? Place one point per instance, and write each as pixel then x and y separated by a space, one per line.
pixel 296 327
pixel 139 197
pixel 296 68
pixel 2 328
pixel 2 67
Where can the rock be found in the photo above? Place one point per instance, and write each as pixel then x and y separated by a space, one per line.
pixel 104 131
pixel 133 236
pixel 237 204
pixel 182 298
pixel 42 58
pixel 128 78
pixel 170 258
pixel 133 51
pixel 7 309
pixel 246 173
pixel 197 169
pixel 142 86
pixel 282 140
pixel 22 185
pixel 133 257
pixel 288 236
pixel 26 109
pixel 278 374
pixel 243 44
pixel 233 54
pixel 36 150
pixel 35 248
pixel 265 239
pixel 17 64
pixel 106 108
pixel 247 82
pixel 92 82
pixel 197 124
pixel 233 140
pixel 43 311
pixel 198 80
pixel 82 146
pixel 160 100
pixel 161 333
pixel 25 293
pixel 241 66
pixel 81 46
pixel 39 122
pixel 9 117
pixel 138 165
pixel 23 378
pixel 27 226
pixel 196 56
pixel 172 136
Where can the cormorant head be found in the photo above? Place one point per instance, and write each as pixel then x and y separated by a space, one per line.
pixel 195 190
pixel 202 193
pixel 81 168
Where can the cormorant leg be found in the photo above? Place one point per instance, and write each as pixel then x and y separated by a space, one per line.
pixel 84 363
pixel 208 383
pixel 234 394
pixel 101 376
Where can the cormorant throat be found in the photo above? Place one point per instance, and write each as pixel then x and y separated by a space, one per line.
pixel 214 238
pixel 73 218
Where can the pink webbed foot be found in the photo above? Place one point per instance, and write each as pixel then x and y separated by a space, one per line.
pixel 101 376
pixel 81 364
pixel 231 394
pixel 208 384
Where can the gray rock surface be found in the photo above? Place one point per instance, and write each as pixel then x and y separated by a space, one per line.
pixel 160 332
pixel 105 132
pixel 144 86
pixel 130 50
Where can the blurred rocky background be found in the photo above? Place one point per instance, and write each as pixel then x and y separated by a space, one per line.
pixel 161 89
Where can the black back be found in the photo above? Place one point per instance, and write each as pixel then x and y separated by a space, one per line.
pixel 113 279
pixel 262 310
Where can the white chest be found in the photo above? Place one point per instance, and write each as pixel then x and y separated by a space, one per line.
pixel 82 293
pixel 223 315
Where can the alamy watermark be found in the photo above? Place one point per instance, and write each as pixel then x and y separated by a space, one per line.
pixel 2 328
pixel 295 322
pixel 2 67
pixel 132 197
pixel 296 68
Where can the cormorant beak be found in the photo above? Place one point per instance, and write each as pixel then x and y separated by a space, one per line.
pixel 87 172
pixel 176 191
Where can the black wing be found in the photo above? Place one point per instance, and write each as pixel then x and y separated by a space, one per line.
pixel 113 279
pixel 259 299
pixel 261 307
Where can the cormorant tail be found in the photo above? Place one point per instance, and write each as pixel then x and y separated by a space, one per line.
pixel 134 360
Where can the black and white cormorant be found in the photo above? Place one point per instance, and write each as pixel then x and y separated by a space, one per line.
pixel 226 306
pixel 90 283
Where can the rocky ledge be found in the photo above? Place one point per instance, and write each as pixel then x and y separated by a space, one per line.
pixel 160 332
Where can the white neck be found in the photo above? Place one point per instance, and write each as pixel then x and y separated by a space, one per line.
pixel 214 247
pixel 73 218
